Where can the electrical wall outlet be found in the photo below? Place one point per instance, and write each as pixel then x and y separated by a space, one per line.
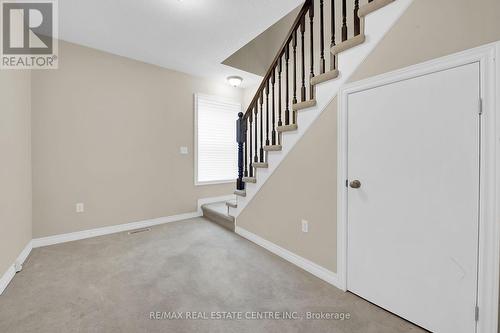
pixel 80 208
pixel 184 150
pixel 305 226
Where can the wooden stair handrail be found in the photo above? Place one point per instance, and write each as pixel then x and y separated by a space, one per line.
pixel 288 38
pixel 264 116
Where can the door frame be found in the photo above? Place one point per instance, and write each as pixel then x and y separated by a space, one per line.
pixel 489 206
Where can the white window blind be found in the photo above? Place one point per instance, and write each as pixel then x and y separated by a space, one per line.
pixel 216 139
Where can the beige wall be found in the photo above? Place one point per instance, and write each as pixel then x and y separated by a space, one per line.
pixel 256 56
pixel 107 132
pixel 15 172
pixel 304 185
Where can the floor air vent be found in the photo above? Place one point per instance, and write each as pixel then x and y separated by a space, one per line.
pixel 139 230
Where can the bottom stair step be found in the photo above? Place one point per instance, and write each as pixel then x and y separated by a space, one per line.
pixel 217 213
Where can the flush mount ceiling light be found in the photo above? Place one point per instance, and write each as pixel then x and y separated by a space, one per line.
pixel 235 81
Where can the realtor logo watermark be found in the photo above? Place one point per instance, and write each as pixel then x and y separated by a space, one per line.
pixel 29 36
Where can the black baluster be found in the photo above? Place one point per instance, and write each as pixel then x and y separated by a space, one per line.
pixel 261 153
pixel 321 38
pixel 240 139
pixel 344 20
pixel 250 142
pixel 303 68
pixel 357 26
pixel 267 113
pixel 311 35
pixel 333 60
pixel 256 157
pixel 273 130
pixel 294 100
pixel 287 111
pixel 280 123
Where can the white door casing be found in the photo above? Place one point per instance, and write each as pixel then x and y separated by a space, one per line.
pixel 453 264
pixel 412 231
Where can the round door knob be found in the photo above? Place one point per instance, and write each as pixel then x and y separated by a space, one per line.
pixel 355 184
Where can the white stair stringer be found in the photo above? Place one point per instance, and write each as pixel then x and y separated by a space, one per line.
pixel 377 24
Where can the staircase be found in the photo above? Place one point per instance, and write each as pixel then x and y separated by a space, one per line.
pixel 303 79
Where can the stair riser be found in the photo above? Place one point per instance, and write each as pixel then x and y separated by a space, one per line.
pixel 218 219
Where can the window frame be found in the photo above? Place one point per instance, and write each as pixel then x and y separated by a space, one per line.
pixel 217 98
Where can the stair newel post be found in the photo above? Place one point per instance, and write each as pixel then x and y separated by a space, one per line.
pixel 311 37
pixel 333 60
pixel 267 113
pixel 245 145
pixel 321 37
pixel 273 128
pixel 261 152
pixel 303 67
pixel 240 139
pixel 294 48
pixel 287 89
pixel 250 142
pixel 256 156
pixel 357 25
pixel 344 20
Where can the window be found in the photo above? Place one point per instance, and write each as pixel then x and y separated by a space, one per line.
pixel 216 147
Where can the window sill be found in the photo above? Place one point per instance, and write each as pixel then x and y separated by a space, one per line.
pixel 214 182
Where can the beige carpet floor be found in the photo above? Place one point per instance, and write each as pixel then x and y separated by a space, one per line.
pixel 113 283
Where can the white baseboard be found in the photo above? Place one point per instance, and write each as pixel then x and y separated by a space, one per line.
pixel 24 254
pixel 9 275
pixel 307 265
pixel 6 278
pixel 204 201
pixel 63 238
pixel 73 236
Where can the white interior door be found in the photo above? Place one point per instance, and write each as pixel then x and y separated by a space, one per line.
pixel 412 230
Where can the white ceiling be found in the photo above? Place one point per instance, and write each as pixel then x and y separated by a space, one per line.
pixel 192 36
